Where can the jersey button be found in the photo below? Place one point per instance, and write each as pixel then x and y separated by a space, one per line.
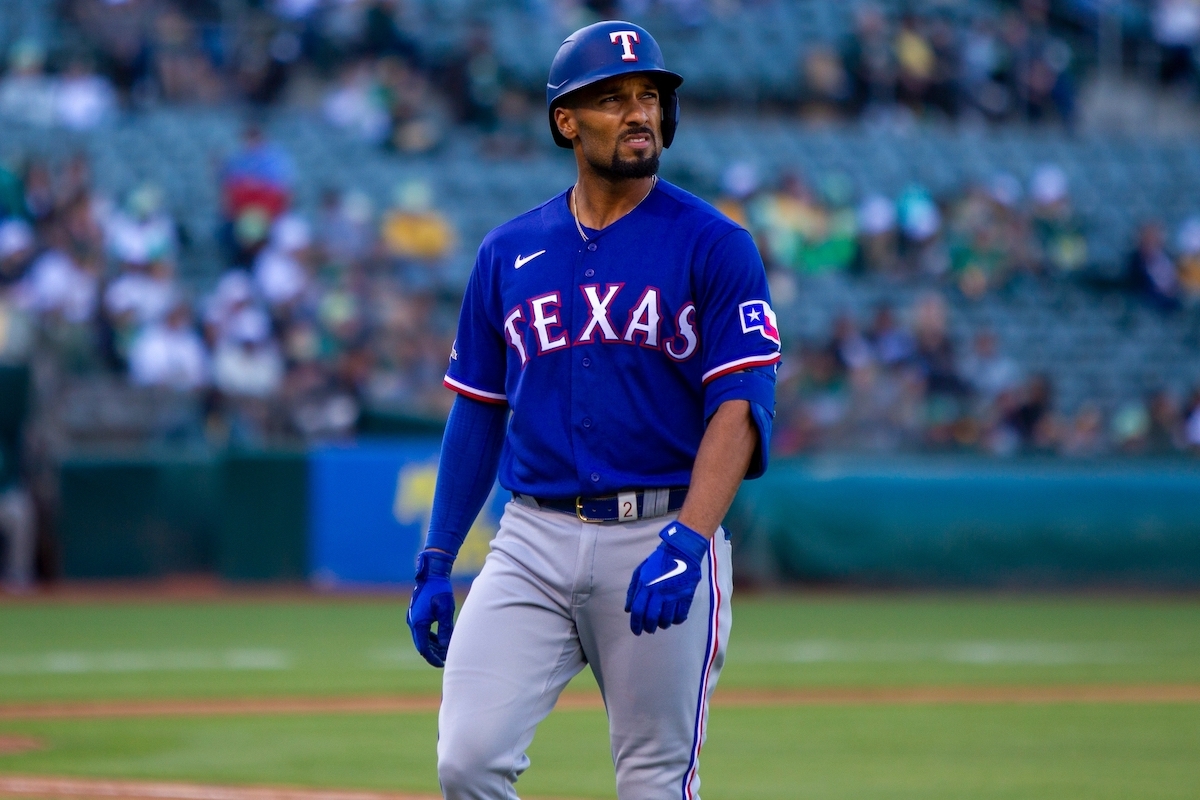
pixel 595 477
pixel 592 247
pixel 587 273
pixel 587 362
pixel 587 422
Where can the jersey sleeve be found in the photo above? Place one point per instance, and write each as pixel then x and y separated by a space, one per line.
pixel 477 359
pixel 737 325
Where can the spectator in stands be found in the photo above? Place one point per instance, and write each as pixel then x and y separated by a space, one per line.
pixel 1164 435
pixel 140 296
pixel 870 61
pixel 27 93
pixel 922 244
pixel 248 371
pixel 1191 422
pixel 1032 418
pixel 739 183
pixel 800 232
pixel 17 249
pixel 16 326
pixel 416 235
pixel 827 87
pixel 983 87
pixel 1152 271
pixel 281 270
pixel 1188 242
pixel 418 116
pixel 1042 67
pixel 40 199
pixel 891 344
pixel 142 231
pixel 183 70
pixel 987 235
pixel 117 33
pixel 849 348
pixel 1131 427
pixel 58 289
pixel 1059 234
pixel 358 104
pixel 170 353
pixel 1084 438
pixel 256 187
pixel 261 174
pixel 83 99
pixel 1176 25
pixel 233 293
pixel 878 246
pixel 345 227
pixel 988 372
pixel 916 64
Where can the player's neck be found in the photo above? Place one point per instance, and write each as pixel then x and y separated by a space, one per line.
pixel 600 201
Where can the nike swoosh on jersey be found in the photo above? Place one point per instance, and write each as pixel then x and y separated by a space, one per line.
pixel 523 260
pixel 679 570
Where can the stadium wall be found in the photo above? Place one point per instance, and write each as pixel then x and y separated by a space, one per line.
pixel 955 522
pixel 354 515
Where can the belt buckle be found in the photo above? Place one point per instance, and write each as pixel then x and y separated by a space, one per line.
pixel 579 511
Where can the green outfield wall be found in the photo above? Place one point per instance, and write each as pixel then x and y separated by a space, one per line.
pixel 954 522
pixel 241 514
pixel 866 522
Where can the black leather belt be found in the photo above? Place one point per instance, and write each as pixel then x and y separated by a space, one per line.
pixel 621 507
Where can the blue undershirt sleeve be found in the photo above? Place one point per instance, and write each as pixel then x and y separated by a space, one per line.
pixel 466 471
pixel 758 386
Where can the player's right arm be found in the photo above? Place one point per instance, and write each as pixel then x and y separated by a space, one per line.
pixel 467 468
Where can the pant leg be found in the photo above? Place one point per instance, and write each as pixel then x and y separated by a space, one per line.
pixel 514 648
pixel 17 525
pixel 656 686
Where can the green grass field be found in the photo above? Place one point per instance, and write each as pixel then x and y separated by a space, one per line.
pixel 61 652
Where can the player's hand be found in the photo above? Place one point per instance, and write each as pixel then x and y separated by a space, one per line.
pixel 663 586
pixel 432 601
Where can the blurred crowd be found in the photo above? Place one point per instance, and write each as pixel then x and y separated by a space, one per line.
pixel 885 385
pixel 995 68
pixel 401 72
pixel 315 319
pixel 977 240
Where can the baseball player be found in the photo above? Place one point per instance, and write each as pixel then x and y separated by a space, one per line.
pixel 615 361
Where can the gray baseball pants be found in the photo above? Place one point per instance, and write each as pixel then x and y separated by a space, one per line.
pixel 550 600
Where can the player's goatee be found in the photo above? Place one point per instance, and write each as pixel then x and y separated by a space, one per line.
pixel 629 167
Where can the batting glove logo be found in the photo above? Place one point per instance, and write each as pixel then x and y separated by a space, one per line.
pixel 663 586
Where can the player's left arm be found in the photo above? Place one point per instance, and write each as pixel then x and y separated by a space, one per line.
pixel 741 343
pixel 729 444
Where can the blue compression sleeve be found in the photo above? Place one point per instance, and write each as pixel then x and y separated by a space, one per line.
pixel 467 469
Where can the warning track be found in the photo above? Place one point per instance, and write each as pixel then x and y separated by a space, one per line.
pixel 46 787
pixel 724 698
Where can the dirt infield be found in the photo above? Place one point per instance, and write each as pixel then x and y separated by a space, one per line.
pixel 21 786
pixel 11 745
pixel 724 698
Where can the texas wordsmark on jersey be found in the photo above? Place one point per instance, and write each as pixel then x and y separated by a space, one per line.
pixel 603 349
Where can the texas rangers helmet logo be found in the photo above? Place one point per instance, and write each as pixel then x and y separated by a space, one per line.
pixel 758 316
pixel 626 40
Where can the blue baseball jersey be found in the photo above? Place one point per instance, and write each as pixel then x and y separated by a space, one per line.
pixel 608 351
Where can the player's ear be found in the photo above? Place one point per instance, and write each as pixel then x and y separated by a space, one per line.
pixel 564 118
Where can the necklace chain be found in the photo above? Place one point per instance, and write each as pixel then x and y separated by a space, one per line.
pixel 575 205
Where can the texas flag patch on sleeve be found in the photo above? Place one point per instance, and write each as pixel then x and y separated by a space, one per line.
pixel 757 316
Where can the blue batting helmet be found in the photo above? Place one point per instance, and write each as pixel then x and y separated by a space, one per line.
pixel 602 51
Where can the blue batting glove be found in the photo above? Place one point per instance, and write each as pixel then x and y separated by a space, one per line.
pixel 432 601
pixel 663 586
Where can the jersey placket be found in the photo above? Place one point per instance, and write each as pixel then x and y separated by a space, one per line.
pixel 587 380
